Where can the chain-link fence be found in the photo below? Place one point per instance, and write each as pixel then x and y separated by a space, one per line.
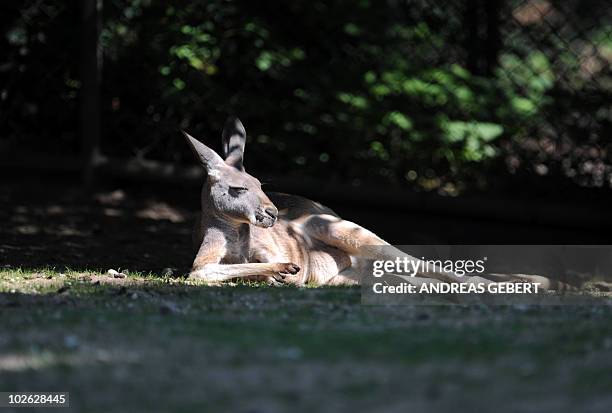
pixel 571 65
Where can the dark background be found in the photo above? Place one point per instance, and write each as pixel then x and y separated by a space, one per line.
pixel 425 121
pixel 428 122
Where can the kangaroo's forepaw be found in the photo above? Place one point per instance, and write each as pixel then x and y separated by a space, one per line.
pixel 288 268
pixel 286 273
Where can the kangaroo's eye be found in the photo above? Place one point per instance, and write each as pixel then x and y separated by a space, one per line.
pixel 237 190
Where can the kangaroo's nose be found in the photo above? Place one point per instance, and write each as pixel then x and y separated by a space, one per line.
pixel 272 211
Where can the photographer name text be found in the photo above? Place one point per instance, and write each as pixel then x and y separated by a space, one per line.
pixel 457 288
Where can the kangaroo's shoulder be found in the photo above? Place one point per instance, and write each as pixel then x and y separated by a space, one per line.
pixel 292 207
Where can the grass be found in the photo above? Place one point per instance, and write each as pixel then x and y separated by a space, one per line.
pixel 149 343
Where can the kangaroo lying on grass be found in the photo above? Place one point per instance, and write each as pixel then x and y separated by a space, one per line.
pixel 243 232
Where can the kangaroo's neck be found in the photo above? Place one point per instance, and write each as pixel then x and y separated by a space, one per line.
pixel 219 230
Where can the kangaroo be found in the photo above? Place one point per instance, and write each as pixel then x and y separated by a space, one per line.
pixel 242 232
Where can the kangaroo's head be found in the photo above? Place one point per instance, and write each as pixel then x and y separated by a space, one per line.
pixel 233 194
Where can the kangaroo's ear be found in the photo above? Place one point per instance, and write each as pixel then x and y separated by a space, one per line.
pixel 206 156
pixel 234 139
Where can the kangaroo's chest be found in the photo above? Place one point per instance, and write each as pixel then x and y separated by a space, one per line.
pixel 236 248
pixel 235 255
pixel 276 244
pixel 286 242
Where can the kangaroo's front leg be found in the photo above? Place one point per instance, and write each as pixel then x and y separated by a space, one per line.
pixel 216 261
pixel 225 272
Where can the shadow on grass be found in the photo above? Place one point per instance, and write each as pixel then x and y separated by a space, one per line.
pixel 58 225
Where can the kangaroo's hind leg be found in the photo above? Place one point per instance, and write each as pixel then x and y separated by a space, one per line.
pixel 362 268
pixel 354 274
pixel 342 234
pixel 358 242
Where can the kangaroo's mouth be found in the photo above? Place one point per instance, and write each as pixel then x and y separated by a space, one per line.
pixel 263 220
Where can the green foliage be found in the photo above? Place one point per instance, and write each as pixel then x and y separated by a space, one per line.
pixel 516 74
pixel 475 138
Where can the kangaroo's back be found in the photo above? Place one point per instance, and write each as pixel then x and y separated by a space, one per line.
pixel 294 207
